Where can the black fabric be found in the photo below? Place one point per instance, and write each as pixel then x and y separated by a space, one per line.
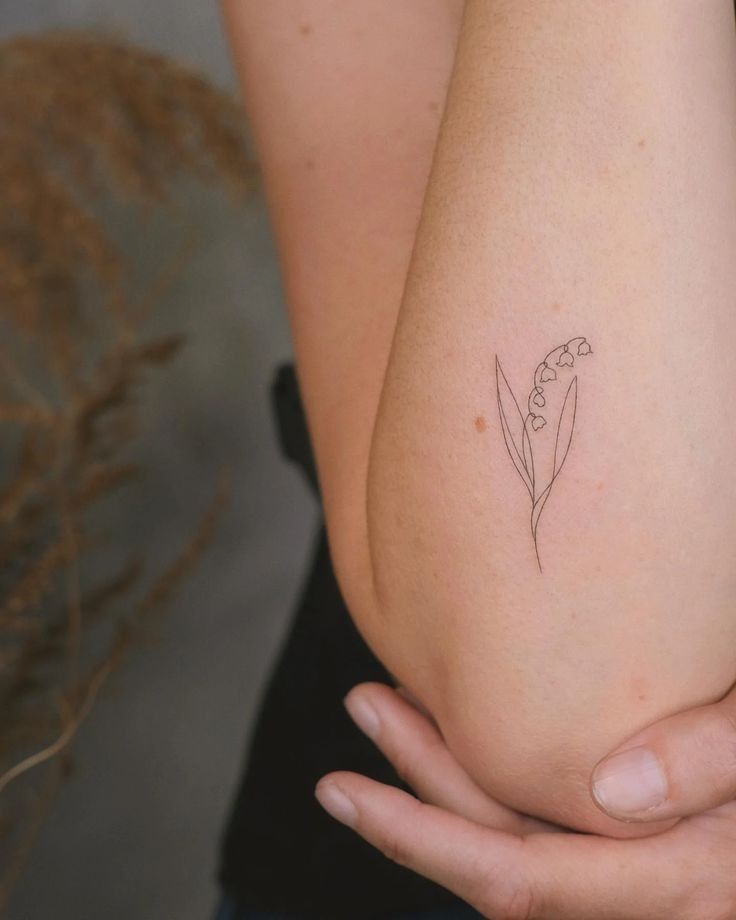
pixel 280 850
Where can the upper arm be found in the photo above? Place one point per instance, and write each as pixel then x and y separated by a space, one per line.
pixel 582 186
pixel 344 102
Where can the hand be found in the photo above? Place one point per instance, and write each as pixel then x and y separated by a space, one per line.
pixel 512 867
pixel 682 765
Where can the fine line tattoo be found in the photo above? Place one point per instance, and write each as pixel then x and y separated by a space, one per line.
pixel 538 442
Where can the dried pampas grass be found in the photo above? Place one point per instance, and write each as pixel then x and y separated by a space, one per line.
pixel 88 123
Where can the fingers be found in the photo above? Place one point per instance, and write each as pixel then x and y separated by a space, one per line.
pixel 680 766
pixel 478 864
pixel 554 876
pixel 416 749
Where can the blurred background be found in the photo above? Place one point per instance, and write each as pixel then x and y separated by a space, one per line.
pixel 135 828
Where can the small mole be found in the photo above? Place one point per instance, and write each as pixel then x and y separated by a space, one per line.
pixel 642 697
pixel 305 28
pixel 557 307
pixel 601 486
pixel 642 142
pixel 310 163
pixel 480 424
pixel 433 106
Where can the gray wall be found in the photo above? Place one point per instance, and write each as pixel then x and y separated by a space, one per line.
pixel 134 832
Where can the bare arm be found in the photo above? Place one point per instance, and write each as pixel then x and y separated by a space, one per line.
pixel 584 186
pixel 344 98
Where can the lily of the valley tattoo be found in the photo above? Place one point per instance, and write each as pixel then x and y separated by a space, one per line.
pixel 538 442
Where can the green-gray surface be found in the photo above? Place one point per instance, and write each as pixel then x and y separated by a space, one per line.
pixel 134 832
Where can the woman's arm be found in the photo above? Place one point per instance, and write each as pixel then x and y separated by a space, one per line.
pixel 344 100
pixel 584 186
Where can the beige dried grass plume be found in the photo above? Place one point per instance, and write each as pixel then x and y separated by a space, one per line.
pixel 85 121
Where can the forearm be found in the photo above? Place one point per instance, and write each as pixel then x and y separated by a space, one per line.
pixel 584 186
pixel 344 102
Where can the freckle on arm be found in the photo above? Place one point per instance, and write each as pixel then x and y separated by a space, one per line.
pixel 480 424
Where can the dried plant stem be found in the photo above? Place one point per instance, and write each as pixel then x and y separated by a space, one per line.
pixel 94 129
pixel 67 734
pixel 162 589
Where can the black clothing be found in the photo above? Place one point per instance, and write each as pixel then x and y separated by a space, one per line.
pixel 281 851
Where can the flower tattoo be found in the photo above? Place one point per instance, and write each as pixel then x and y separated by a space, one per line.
pixel 538 442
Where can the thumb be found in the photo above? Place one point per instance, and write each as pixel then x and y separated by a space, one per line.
pixel 684 764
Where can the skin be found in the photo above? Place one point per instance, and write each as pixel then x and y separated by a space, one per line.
pixel 511 867
pixel 344 100
pixel 582 185
pixel 346 158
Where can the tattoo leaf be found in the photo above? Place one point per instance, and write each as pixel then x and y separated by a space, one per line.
pixel 528 455
pixel 565 427
pixel 562 446
pixel 512 426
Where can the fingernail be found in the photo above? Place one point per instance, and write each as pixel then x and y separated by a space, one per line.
pixel 630 782
pixel 363 714
pixel 336 803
